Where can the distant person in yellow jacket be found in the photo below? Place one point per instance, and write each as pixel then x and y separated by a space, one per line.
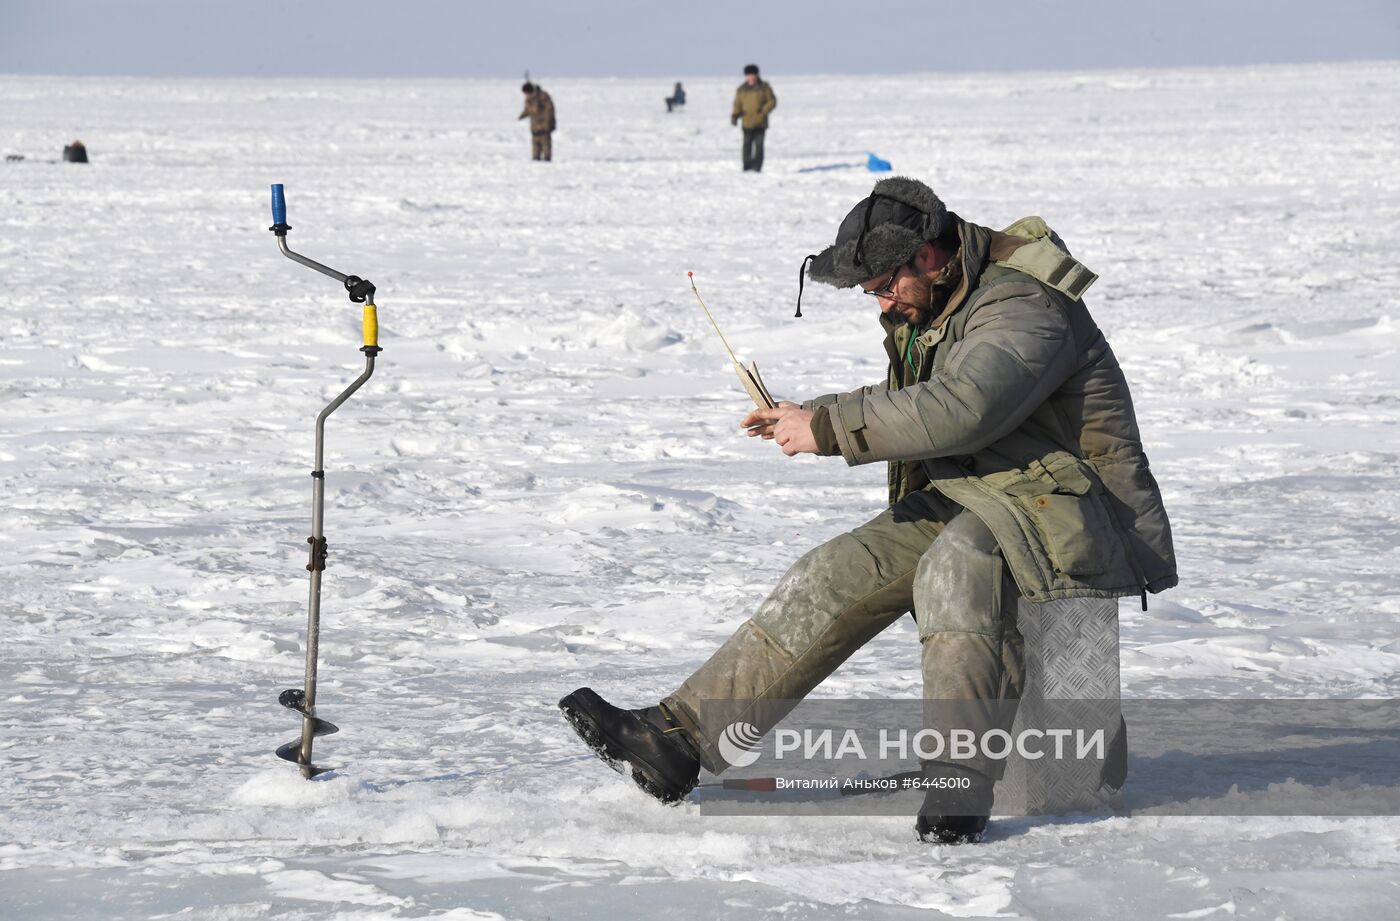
pixel 753 100
pixel 539 108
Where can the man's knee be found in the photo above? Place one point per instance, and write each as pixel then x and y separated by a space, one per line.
pixel 820 588
pixel 962 584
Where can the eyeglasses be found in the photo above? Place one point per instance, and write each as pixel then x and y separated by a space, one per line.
pixel 887 289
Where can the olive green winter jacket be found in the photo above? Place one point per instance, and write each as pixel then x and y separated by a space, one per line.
pixel 753 103
pixel 1015 408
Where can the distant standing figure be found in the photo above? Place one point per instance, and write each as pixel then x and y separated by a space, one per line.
pixel 677 97
pixel 752 102
pixel 75 153
pixel 539 108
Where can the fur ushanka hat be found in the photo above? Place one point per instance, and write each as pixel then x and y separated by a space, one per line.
pixel 882 232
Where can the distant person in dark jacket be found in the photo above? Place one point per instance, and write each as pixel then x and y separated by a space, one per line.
pixel 539 108
pixel 752 102
pixel 677 98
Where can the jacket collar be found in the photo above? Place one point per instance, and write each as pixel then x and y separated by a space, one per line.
pixel 972 255
pixel 975 246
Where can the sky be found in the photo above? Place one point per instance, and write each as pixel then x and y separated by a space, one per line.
pixel 630 38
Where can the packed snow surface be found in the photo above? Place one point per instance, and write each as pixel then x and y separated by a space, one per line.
pixel 544 485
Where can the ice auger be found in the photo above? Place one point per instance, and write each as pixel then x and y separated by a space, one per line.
pixel 303 699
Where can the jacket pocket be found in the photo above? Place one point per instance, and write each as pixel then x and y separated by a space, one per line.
pixel 1061 497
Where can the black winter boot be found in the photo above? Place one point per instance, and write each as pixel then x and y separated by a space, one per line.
pixel 957 804
pixel 647 743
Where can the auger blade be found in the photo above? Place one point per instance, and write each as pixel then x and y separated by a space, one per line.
pixel 292 752
pixel 295 699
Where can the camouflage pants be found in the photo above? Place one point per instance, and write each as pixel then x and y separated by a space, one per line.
pixel 541 145
pixel 921 554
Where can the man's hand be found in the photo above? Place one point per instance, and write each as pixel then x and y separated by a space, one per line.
pixel 787 423
pixel 734 120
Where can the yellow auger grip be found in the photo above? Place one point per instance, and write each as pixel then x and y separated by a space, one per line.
pixel 371 326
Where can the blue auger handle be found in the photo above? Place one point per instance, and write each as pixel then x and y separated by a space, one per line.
pixel 279 204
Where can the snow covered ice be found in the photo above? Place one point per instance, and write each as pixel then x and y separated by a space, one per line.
pixel 544 485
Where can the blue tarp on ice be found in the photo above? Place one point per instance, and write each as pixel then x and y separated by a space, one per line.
pixel 872 163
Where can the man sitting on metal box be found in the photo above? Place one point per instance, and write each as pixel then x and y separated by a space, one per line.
pixel 1015 468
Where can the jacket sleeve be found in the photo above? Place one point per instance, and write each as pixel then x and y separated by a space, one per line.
pixel 736 110
pixel 1016 351
pixel 770 102
pixel 827 399
pixel 823 433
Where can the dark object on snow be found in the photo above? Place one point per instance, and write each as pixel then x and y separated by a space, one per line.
pixel 75 152
pixel 950 829
pixel 677 97
pixel 13 158
pixel 642 743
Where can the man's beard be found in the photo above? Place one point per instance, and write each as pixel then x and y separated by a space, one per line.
pixel 929 299
pixel 916 309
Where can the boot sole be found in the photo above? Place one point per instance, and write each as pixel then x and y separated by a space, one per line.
pixel 934 837
pixel 580 711
pixel 937 834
